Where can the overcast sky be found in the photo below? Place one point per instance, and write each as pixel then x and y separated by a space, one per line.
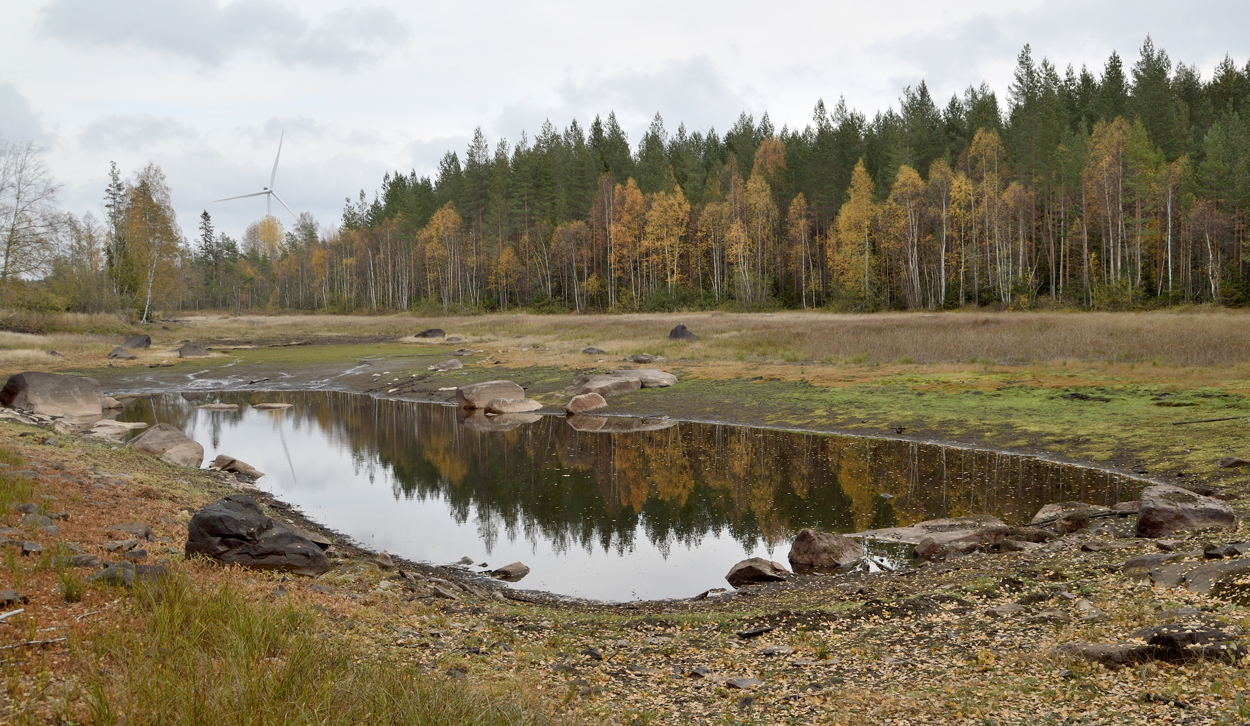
pixel 204 88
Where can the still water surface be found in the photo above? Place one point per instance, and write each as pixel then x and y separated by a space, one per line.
pixel 612 516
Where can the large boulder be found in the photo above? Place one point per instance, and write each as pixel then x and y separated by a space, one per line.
pixel 234 466
pixel 74 398
pixel 585 402
pixel 604 385
pixel 138 342
pixel 477 395
pixel 120 353
pixel 512 405
pixel 192 350
pixel 681 332
pixel 169 443
pixel 756 569
pixel 823 549
pixel 235 531
pixel 1165 509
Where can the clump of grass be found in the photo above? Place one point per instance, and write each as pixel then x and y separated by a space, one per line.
pixel 13 489
pixel 208 654
pixel 72 587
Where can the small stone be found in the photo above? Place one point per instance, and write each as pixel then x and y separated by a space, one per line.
pixel 134 529
pixel 700 672
pixel 51 529
pixel 443 593
pixel 592 653
pixel 593 351
pixel 1049 615
pixel 323 589
pixel 88 561
pixel 11 597
pixel 777 650
pixel 1089 611
pixel 121 545
pixel 32 548
pixel 755 632
pixel 37 520
pixel 136 555
pixel 744 684
pixel 1005 610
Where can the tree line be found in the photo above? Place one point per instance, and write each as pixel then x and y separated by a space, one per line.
pixel 1123 188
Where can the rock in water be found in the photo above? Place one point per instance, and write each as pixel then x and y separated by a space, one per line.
pixel 108 403
pixel 756 569
pixel 585 402
pixel 169 443
pixel 74 398
pixel 192 350
pixel 511 573
pixel 431 333
pixel 681 332
pixel 234 530
pixel 272 406
pixel 512 405
pixel 822 549
pixel 120 353
pixel 477 420
pixel 1165 509
pixel 477 395
pixel 233 465
pixel 138 342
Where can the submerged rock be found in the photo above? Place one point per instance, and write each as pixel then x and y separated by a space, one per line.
pixel 477 420
pixel 512 405
pixel 510 573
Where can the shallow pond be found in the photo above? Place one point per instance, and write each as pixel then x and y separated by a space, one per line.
pixel 604 512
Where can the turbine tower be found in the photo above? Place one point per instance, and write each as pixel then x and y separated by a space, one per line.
pixel 268 191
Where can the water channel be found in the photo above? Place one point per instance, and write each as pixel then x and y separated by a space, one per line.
pixel 603 512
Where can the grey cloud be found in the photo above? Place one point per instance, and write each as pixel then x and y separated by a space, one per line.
pixel 18 122
pixel 135 132
pixel 210 34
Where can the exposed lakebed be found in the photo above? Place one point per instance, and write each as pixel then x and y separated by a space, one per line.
pixel 601 513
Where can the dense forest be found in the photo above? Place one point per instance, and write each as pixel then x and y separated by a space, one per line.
pixel 1127 187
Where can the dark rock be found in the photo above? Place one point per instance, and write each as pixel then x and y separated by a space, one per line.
pixel 1109 654
pixel 1145 562
pixel 1166 509
pixel 75 398
pixel 594 351
pixel 822 549
pixel 510 573
pixel 1203 577
pixel 120 353
pixel 36 520
pixel 32 548
pixel 51 529
pixel 585 402
pixel 169 443
pixel 136 555
pixel 88 561
pixel 1232 462
pixel 234 530
pixel 1099 546
pixel 756 569
pixel 11 597
pixel 431 333
pixel 26 508
pixel 323 589
pixel 1170 575
pixel 592 653
pixel 1068 516
pixel 192 350
pixel 477 395
pixel 1126 508
pixel 755 632
pixel 777 650
pixel 1225 551
pixel 681 332
pixel 640 358
pixel 121 545
pixel 745 684
pixel 138 342
pixel 126 574
pixel 134 529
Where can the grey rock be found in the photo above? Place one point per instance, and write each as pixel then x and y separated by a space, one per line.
pixel 1049 615
pixel 823 549
pixel 777 650
pixel 585 402
pixel 681 332
pixel 136 555
pixel 1221 552
pixel 192 350
pixel 1203 577
pixel 323 589
pixel 640 358
pixel 616 424
pixel 121 545
pixel 431 333
pixel 272 406
pixel 1065 510
pixel 593 351
pixel 1166 509
pixel 447 365
pixel 1125 508
pixel 138 342
pixel 134 529
pixel 51 529
pixel 10 532
pixel 169 443
pixel 87 561
pixel 464 352
pixel 477 395
pixel 439 591
pixel 32 548
pixel 1171 574
pixel 603 385
pixel 1232 462
pixel 744 684
pixel 592 653
pixel 756 569
pixel 1145 562
pixel 1099 546
pixel 1005 611
pixel 1110 654
pixel 1089 611
pixel 511 573
pixel 120 353
pixel 11 597
pixel 26 508
pixel 74 398
pixel 234 530
pixel 512 405
pixel 647 377
pixel 235 466
pixel 36 520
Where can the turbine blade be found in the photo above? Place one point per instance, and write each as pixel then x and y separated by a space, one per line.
pixel 274 175
pixel 241 196
pixel 275 196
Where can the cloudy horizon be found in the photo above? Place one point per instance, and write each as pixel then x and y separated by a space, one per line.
pixel 204 89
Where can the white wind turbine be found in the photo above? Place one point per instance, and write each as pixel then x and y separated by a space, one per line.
pixel 268 191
